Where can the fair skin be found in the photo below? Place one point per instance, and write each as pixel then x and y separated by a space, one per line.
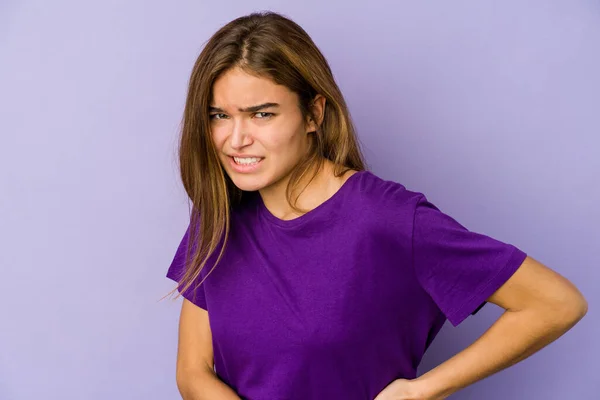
pixel 540 305
pixel 196 379
pixel 277 133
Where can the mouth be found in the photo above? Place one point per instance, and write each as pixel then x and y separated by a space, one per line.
pixel 247 160
pixel 245 164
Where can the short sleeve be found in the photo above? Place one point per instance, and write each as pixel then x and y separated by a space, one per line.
pixel 459 269
pixel 177 269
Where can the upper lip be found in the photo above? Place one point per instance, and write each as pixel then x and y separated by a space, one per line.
pixel 244 156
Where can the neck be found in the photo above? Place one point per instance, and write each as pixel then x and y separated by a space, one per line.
pixel 310 195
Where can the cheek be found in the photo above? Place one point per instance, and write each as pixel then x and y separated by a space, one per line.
pixel 219 136
pixel 283 137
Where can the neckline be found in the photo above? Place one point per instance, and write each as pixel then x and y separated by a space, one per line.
pixel 318 210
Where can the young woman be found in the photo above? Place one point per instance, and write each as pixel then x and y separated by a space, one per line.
pixel 304 275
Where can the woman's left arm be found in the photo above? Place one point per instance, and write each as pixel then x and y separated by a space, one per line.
pixel 540 305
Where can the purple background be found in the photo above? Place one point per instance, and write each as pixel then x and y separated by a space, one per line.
pixel 490 108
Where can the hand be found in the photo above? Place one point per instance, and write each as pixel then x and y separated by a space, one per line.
pixel 400 389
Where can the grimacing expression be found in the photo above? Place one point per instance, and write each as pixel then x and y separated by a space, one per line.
pixel 257 128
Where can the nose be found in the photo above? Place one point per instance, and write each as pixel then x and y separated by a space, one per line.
pixel 240 136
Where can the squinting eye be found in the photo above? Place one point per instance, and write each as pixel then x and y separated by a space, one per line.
pixel 263 115
pixel 218 116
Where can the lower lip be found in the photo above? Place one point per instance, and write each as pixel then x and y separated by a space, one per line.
pixel 242 168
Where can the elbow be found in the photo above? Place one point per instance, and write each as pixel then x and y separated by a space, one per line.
pixel 580 308
pixel 572 309
pixel 190 380
pixel 186 379
pixel 182 380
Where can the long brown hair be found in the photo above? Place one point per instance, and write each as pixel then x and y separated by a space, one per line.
pixel 269 45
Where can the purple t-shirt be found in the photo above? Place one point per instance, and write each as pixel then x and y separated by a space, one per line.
pixel 341 301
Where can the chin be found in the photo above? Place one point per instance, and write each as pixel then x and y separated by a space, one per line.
pixel 247 183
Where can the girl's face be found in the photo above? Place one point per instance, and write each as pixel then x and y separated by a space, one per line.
pixel 257 128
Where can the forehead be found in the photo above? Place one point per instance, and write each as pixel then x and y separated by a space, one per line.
pixel 237 88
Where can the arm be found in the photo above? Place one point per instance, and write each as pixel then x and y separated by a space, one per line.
pixel 196 379
pixel 540 305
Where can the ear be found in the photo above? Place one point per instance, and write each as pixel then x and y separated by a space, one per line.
pixel 318 110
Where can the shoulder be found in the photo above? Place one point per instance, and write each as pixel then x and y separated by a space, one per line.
pixel 384 194
pixel 382 206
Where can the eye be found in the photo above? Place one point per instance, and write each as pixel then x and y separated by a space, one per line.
pixel 263 115
pixel 218 116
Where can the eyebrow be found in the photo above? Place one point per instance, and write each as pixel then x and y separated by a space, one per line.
pixel 247 109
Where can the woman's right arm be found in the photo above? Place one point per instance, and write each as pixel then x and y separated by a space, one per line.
pixel 196 379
